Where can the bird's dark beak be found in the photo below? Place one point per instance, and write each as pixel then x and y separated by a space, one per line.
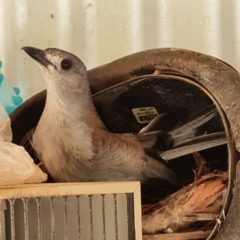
pixel 38 55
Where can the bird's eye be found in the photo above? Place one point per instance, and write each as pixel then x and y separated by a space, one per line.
pixel 66 64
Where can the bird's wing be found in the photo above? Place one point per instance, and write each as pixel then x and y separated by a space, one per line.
pixel 121 156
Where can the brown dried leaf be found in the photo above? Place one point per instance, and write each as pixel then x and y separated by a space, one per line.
pixel 203 195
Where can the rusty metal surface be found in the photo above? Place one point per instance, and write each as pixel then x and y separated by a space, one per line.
pixel 222 80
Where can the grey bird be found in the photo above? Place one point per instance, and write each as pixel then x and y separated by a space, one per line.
pixel 71 139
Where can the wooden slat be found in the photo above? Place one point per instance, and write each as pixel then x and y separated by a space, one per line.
pixel 179 236
pixel 67 189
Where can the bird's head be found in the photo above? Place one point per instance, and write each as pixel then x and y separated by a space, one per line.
pixel 61 70
pixel 68 90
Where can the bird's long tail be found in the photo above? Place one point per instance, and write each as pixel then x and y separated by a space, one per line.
pixel 157 169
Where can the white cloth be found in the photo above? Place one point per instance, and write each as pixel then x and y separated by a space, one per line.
pixel 16 165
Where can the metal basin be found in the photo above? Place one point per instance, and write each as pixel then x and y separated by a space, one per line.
pixel 163 79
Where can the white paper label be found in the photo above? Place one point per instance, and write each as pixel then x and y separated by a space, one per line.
pixel 145 114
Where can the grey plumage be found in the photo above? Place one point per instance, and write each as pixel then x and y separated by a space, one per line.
pixel 70 138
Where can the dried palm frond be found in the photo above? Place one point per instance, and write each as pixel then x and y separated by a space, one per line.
pixel 198 201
